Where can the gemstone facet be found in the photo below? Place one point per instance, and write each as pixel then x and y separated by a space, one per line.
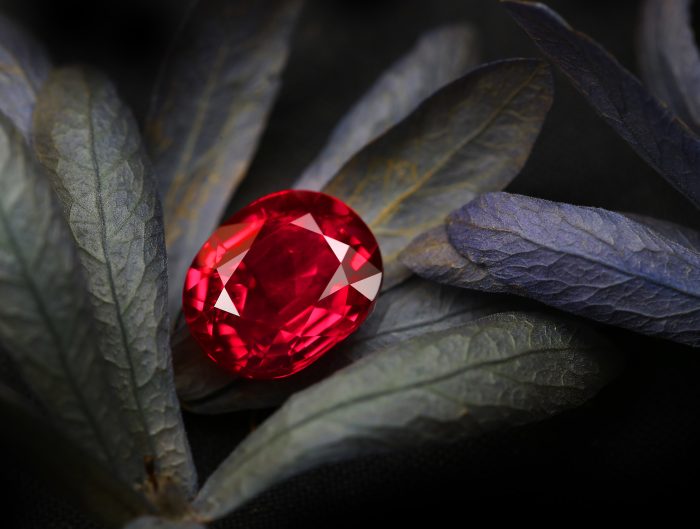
pixel 281 282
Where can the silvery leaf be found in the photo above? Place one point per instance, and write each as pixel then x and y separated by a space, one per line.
pixel 669 57
pixel 89 142
pixel 588 261
pixel 681 234
pixel 439 57
pixel 24 66
pixel 153 522
pixel 656 135
pixel 209 109
pixel 497 372
pixel 46 324
pixel 432 256
pixel 473 135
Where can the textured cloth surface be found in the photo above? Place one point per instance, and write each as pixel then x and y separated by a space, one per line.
pixel 636 442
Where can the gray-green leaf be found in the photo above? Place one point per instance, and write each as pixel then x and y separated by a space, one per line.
pixel 208 112
pixel 407 310
pixel 153 522
pixel 669 58
pixel 75 474
pixel 24 66
pixel 497 372
pixel 470 137
pixel 645 123
pixel 439 57
pixel 432 256
pixel 683 235
pixel 195 375
pixel 89 142
pixel 45 320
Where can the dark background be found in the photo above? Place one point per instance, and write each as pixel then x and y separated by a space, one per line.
pixel 636 443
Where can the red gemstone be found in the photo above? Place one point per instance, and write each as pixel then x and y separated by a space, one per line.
pixel 281 282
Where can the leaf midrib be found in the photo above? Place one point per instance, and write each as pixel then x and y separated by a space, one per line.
pixel 232 386
pixel 110 277
pixel 55 337
pixel 418 325
pixel 685 186
pixel 391 207
pixel 380 394
pixel 179 173
pixel 559 251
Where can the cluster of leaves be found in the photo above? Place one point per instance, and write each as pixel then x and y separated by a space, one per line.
pixel 90 318
pixel 631 271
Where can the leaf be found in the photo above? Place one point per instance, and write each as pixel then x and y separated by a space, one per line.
pixel 195 375
pixel 153 522
pixel 497 372
pixel 24 66
pixel 209 109
pixel 656 135
pixel 440 56
pixel 45 319
pixel 407 310
pixel 417 307
pixel 681 234
pixel 669 58
pixel 432 256
pixel 71 471
pixel 89 142
pixel 587 261
pixel 472 136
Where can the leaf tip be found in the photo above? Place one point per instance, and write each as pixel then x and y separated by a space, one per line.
pixel 528 14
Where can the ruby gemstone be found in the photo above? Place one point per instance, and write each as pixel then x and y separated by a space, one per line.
pixel 281 282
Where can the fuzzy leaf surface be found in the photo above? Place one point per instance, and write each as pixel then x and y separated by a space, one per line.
pixel 688 237
pixel 494 373
pixel 24 66
pixel 588 261
pixel 432 256
pixel 472 136
pixel 669 57
pixel 439 57
pixel 89 142
pixel 154 522
pixel 45 319
pixel 195 375
pixel 655 134
pixel 209 109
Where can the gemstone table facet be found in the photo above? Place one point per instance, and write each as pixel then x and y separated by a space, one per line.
pixel 281 282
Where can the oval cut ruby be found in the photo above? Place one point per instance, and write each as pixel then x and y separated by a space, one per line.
pixel 281 282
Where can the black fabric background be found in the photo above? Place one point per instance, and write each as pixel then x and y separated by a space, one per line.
pixel 636 443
